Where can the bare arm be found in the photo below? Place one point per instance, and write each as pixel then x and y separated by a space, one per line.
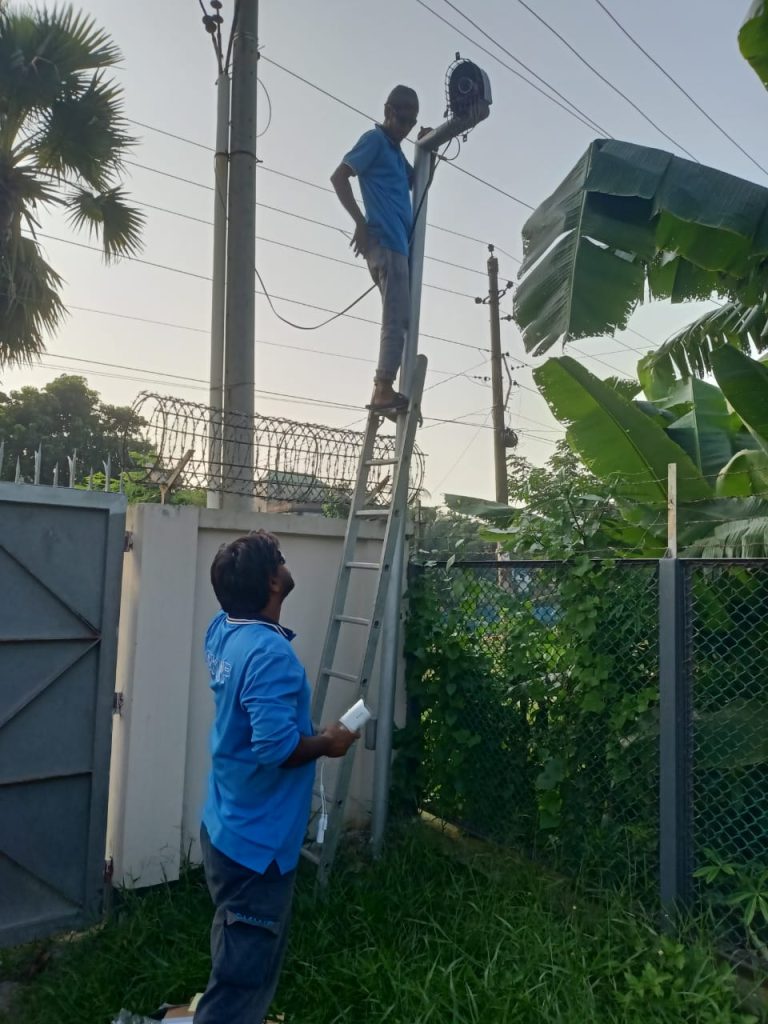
pixel 340 179
pixel 333 741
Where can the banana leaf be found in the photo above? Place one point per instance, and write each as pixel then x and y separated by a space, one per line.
pixel 744 475
pixel 753 39
pixel 744 382
pixel 616 440
pixel 689 351
pixel 627 215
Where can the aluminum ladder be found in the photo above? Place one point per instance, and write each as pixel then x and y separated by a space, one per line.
pixel 323 855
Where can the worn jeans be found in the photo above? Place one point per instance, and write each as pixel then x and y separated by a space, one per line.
pixel 390 273
pixel 248 937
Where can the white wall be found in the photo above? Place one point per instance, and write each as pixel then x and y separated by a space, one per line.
pixel 160 756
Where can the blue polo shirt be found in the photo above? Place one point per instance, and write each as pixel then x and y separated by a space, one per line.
pixel 256 811
pixel 385 181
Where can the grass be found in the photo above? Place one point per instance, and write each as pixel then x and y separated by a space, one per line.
pixel 435 932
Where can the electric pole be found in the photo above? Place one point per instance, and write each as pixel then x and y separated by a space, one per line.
pixel 497 389
pixel 219 287
pixel 241 255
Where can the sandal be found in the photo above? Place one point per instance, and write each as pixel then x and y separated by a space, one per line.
pixel 391 409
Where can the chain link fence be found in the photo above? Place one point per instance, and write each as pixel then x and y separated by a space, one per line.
pixel 727 662
pixel 534 697
pixel 542 705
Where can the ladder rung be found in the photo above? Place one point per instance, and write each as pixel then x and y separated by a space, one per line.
pixel 353 620
pixel 339 675
pixel 363 565
pixel 381 462
pixel 372 513
pixel 310 855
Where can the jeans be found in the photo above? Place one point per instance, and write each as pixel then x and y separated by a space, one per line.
pixel 248 937
pixel 390 273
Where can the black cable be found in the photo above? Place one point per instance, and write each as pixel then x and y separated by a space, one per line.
pixel 324 323
pixel 678 86
pixel 308 252
pixel 603 79
pixel 265 129
pixel 282 298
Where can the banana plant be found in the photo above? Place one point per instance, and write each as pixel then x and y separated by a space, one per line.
pixel 716 437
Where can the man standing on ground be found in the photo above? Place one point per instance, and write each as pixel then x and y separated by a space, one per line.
pixel 260 788
pixel 383 234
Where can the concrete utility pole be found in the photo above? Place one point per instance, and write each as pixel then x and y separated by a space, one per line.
pixel 219 287
pixel 241 253
pixel 497 389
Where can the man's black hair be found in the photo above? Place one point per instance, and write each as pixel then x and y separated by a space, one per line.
pixel 400 93
pixel 241 571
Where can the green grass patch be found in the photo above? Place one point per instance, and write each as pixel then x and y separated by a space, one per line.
pixel 431 933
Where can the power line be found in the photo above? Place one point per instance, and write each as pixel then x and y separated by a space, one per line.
pixel 450 374
pixel 611 85
pixel 337 99
pixel 302 181
pixel 298 248
pixel 281 298
pixel 678 86
pixel 198 384
pixel 572 109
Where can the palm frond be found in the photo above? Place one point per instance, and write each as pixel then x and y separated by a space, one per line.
pixel 84 134
pixel 30 306
pixel 43 53
pixel 107 215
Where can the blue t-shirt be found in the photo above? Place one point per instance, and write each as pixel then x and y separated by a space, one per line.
pixel 256 811
pixel 385 182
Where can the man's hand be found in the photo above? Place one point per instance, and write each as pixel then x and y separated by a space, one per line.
pixel 360 240
pixel 338 739
pixel 423 132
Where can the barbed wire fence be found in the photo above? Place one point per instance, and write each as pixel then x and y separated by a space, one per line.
pixel 276 458
pixel 187 446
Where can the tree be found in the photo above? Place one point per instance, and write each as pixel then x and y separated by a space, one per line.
pixel 558 510
pixel 62 141
pixel 67 416
pixel 629 220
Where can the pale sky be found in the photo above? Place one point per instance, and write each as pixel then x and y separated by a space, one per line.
pixel 358 50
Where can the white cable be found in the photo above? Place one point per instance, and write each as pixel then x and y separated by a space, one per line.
pixel 322 823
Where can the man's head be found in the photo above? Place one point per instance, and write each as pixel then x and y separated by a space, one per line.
pixel 250 577
pixel 401 111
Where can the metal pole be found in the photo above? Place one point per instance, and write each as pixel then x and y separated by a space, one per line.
pixel 390 633
pixel 219 289
pixel 497 388
pixel 675 825
pixel 672 510
pixel 241 255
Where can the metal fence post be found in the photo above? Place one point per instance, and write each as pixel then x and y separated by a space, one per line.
pixel 675 824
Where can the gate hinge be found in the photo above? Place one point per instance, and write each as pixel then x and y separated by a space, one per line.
pixel 118 700
pixel 128 541
pixel 109 869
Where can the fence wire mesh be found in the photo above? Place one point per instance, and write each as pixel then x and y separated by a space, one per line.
pixel 728 669
pixel 534 695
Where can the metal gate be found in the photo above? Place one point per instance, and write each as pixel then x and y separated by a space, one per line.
pixel 60 570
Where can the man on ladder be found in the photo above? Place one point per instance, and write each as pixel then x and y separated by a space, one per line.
pixel 383 234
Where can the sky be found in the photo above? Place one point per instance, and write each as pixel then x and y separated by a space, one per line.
pixel 357 51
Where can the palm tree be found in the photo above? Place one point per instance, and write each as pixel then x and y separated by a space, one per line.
pixel 62 140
